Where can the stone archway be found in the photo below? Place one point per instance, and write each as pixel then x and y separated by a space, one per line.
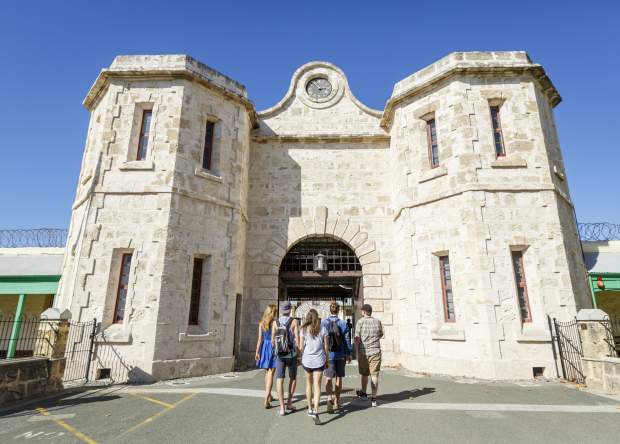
pixel 374 272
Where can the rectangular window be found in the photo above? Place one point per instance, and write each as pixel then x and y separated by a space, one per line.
pixel 194 303
pixel 433 150
pixel 121 291
pixel 524 303
pixel 207 154
pixel 145 132
pixel 446 288
pixel 497 132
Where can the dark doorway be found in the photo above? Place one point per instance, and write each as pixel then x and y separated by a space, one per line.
pixel 307 288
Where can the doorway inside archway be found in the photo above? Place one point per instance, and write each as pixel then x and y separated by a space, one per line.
pixel 306 287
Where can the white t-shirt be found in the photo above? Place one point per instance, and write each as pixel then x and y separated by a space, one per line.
pixel 314 350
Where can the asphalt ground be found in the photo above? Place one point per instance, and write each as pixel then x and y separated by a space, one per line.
pixel 228 409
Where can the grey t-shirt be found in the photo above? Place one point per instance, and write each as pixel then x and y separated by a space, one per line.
pixel 314 350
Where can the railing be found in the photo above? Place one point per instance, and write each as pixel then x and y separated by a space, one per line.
pixel 615 328
pixel 600 231
pixel 25 338
pixel 39 237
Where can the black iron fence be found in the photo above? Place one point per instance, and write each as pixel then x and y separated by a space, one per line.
pixel 39 237
pixel 26 337
pixel 614 324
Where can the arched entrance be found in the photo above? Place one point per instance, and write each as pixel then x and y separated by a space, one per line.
pixel 306 286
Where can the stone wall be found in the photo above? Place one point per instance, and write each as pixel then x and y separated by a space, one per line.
pixel 28 378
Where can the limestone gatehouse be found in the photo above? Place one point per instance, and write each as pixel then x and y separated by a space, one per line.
pixel 448 211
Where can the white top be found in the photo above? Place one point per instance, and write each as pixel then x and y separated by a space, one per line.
pixel 314 350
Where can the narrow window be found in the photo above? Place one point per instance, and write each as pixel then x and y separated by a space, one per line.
pixel 433 150
pixel 524 303
pixel 446 288
pixel 121 291
pixel 497 132
pixel 194 303
pixel 145 132
pixel 207 153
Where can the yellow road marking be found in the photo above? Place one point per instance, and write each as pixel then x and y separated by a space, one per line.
pixel 66 426
pixel 156 415
pixel 153 400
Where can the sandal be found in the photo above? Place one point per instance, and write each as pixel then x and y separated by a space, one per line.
pixel 267 404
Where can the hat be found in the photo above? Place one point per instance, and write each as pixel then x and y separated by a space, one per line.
pixel 367 308
pixel 285 307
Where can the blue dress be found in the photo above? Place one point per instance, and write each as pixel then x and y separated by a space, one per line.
pixel 267 356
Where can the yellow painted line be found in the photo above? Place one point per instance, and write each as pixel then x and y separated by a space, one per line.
pixel 67 427
pixel 153 400
pixel 156 415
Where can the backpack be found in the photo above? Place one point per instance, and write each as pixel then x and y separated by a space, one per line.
pixel 334 336
pixel 282 341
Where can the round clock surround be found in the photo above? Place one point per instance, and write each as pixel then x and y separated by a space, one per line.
pixel 318 88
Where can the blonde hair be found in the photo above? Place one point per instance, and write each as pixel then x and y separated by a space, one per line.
pixel 268 316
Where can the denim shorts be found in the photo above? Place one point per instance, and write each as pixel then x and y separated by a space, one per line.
pixel 335 369
pixel 282 364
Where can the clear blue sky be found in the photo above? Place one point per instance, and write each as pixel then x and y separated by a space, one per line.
pixel 50 55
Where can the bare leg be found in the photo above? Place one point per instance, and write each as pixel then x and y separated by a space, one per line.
pixel 268 384
pixel 338 389
pixel 309 390
pixel 280 390
pixel 316 379
pixel 364 383
pixel 329 388
pixel 292 385
pixel 374 384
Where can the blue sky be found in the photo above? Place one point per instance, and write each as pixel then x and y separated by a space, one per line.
pixel 51 52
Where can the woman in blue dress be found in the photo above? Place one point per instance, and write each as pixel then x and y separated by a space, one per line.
pixel 265 356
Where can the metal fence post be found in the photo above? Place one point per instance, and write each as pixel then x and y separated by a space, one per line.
pixel 557 332
pixel 90 349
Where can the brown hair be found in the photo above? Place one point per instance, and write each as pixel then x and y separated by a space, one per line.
pixel 312 323
pixel 334 308
pixel 268 316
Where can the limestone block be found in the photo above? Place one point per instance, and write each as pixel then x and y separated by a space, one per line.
pixel 377 293
pixel 365 248
pixel 341 226
pixel 372 280
pixel 369 258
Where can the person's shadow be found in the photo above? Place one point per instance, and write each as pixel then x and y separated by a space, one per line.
pixel 352 404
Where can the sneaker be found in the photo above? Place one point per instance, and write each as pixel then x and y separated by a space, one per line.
pixel 315 418
pixel 330 407
pixel 373 402
pixel 310 413
pixel 281 412
pixel 361 394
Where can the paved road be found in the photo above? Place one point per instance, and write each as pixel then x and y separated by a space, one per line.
pixel 228 408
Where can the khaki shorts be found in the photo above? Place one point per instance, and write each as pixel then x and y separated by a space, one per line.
pixel 369 365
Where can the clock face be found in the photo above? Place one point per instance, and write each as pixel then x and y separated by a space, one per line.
pixel 319 88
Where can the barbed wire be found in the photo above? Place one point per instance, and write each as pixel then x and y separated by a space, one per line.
pixel 599 231
pixel 57 237
pixel 38 237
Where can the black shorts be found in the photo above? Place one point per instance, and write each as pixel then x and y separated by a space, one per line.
pixel 311 370
pixel 335 369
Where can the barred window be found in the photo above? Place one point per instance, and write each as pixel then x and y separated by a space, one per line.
pixel 433 149
pixel 194 303
pixel 522 297
pixel 121 290
pixel 145 133
pixel 498 137
pixel 207 153
pixel 446 288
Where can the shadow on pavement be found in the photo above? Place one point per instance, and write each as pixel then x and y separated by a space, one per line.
pixel 353 403
pixel 56 403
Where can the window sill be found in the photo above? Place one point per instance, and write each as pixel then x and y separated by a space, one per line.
pixel 206 174
pixel 434 174
pixel 115 333
pixel 194 333
pixel 137 165
pixel 533 334
pixel 448 332
pixel 509 162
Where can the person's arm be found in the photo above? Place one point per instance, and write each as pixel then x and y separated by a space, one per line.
pixel 326 347
pixel 296 334
pixel 357 339
pixel 347 343
pixel 301 344
pixel 259 342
